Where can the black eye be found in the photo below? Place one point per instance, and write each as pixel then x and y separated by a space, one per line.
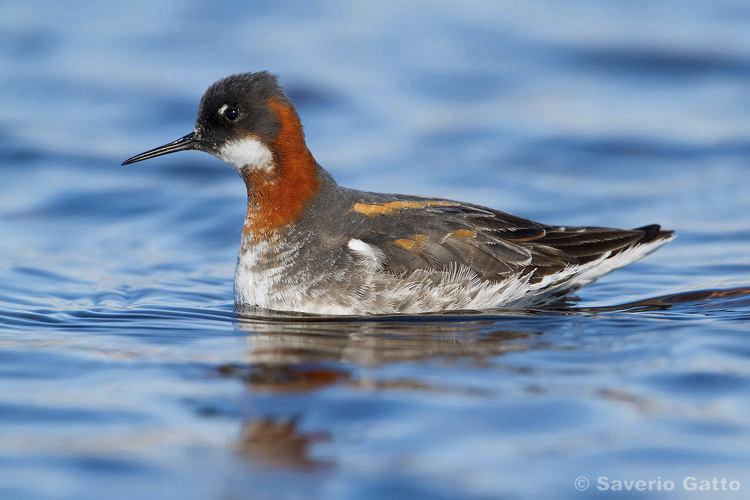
pixel 231 114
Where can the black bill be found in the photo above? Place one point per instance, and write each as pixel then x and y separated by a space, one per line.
pixel 181 144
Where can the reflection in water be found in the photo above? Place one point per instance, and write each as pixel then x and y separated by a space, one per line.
pixel 668 301
pixel 278 443
pixel 377 342
pixel 289 356
pixel 270 377
pixel 289 353
pixel 288 339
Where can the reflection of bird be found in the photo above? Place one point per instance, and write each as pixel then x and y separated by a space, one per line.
pixel 311 245
pixel 279 443
pixel 286 355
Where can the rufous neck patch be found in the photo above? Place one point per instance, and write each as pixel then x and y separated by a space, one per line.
pixel 276 197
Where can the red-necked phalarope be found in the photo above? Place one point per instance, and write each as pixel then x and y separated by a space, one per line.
pixel 311 245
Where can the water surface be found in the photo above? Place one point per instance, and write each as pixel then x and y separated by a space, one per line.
pixel 126 372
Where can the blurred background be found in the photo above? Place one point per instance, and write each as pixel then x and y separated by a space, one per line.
pixel 124 370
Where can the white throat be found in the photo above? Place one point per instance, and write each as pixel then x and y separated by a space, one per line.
pixel 244 153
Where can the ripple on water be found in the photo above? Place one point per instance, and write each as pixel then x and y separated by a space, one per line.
pixel 125 371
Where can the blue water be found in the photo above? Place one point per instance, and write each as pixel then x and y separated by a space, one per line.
pixel 126 373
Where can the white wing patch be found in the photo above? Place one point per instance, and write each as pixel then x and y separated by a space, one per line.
pixel 366 251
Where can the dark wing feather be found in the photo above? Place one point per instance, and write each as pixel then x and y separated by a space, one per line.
pixel 493 244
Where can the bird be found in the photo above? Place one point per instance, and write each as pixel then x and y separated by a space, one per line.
pixel 309 245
